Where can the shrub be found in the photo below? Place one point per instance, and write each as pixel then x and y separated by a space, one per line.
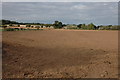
pixel 9 29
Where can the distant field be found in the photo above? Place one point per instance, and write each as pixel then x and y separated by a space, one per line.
pixel 60 54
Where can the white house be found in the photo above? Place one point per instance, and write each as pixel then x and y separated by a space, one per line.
pixel 51 27
pixel 22 25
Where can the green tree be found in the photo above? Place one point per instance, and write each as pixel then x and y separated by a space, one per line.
pixel 57 24
pixel 79 25
pixel 91 26
pixel 83 26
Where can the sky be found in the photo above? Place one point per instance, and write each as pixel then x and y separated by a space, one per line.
pixel 99 13
pixel 59 0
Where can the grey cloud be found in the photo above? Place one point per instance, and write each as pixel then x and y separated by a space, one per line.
pixel 60 0
pixel 67 12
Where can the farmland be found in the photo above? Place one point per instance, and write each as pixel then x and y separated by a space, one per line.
pixel 60 54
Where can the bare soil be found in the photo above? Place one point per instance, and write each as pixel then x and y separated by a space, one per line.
pixel 60 54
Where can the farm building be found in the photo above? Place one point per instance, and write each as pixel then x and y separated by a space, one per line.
pixel 22 26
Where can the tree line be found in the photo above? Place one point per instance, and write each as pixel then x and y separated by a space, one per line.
pixel 59 25
pixel 90 26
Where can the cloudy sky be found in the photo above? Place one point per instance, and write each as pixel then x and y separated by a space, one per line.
pixel 60 0
pixel 100 13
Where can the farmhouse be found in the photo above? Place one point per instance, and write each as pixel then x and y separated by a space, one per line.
pixel 7 25
pixel 22 26
pixel 12 25
pixel 51 27
pixel 16 26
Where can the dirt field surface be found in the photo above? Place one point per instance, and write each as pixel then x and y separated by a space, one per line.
pixel 60 54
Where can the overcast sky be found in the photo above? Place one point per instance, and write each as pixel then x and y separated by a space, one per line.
pixel 100 13
pixel 59 0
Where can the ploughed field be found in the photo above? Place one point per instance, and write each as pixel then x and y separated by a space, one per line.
pixel 60 54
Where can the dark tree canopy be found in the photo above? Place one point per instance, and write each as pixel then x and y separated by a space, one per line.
pixel 58 24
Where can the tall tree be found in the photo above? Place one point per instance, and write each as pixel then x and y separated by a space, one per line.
pixel 57 24
pixel 83 26
pixel 79 25
pixel 91 26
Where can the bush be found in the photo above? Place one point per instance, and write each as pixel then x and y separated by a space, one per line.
pixel 73 28
pixel 9 29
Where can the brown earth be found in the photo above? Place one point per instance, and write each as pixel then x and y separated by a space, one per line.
pixel 60 54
